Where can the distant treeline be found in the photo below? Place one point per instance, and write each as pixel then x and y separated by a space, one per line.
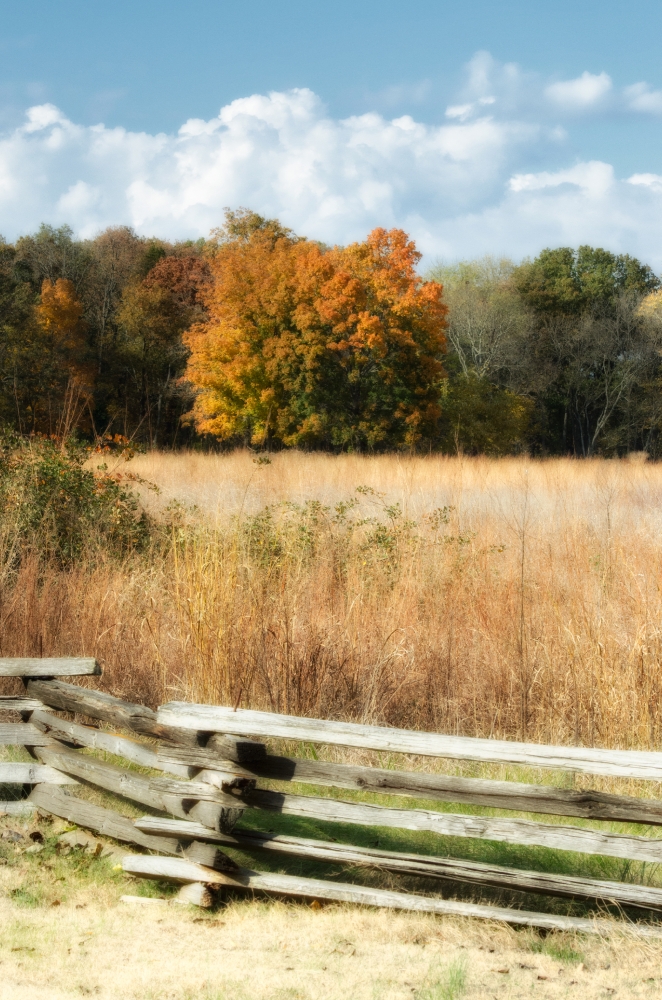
pixel 256 336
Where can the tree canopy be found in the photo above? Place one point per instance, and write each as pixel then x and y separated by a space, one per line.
pixel 317 347
pixel 259 336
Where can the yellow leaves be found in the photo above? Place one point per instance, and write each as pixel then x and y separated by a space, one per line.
pixel 651 306
pixel 59 315
pixel 60 312
pixel 318 346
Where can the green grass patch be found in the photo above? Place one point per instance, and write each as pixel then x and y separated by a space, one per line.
pixel 558 947
pixel 447 983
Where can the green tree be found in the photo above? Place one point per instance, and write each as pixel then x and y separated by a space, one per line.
pixel 589 349
pixel 486 406
pixel 152 316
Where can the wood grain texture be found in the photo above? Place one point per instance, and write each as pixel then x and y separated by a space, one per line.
pixel 21 734
pixel 234 748
pixel 182 871
pixel 203 758
pixel 511 831
pixel 48 666
pixel 209 855
pixel 17 807
pixel 120 746
pixel 511 795
pixel 96 704
pixel 243 722
pixel 108 708
pixel 426 866
pixel 13 703
pixel 93 817
pixel 32 774
pixel 194 894
pixel 130 784
pixel 225 781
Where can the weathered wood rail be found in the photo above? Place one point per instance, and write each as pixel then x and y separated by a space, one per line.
pixel 241 722
pixel 200 767
pixel 513 795
pixel 47 666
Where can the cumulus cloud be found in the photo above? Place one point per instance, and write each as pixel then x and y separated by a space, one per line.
pixel 586 91
pixel 279 153
pixel 461 188
pixel 584 204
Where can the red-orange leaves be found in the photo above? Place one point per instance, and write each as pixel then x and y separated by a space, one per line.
pixel 325 348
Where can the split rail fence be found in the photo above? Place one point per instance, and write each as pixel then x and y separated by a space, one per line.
pixel 209 763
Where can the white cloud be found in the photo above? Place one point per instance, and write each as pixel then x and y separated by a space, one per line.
pixel 460 188
pixel 279 153
pixel 652 181
pixel 583 93
pixel 640 97
pixel 595 179
pixel 460 111
pixel 584 204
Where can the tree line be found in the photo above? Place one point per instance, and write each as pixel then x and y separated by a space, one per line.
pixel 257 336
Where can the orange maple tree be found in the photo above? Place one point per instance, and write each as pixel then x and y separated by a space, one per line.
pixel 310 346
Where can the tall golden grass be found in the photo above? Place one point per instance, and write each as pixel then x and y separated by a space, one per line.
pixel 529 606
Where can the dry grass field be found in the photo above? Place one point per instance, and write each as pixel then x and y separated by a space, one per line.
pixel 511 598
pixel 507 597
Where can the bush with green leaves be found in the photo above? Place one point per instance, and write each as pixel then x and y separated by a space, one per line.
pixel 51 502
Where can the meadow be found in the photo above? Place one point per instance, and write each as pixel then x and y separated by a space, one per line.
pixel 491 597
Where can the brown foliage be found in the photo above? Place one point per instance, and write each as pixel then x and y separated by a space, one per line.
pixel 185 278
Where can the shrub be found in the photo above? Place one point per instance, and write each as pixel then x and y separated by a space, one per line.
pixel 50 501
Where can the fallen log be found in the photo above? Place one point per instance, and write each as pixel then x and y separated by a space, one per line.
pixel 182 871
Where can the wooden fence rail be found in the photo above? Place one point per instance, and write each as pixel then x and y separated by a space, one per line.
pixel 44 666
pixel 512 795
pixel 205 772
pixel 241 722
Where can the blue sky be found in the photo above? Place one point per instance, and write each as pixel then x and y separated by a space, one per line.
pixel 517 125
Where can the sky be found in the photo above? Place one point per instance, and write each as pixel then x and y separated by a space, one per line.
pixel 477 127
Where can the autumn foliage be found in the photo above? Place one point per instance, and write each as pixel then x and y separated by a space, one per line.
pixel 60 315
pixel 316 347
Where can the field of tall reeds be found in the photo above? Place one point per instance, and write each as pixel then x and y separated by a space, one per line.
pixel 493 597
